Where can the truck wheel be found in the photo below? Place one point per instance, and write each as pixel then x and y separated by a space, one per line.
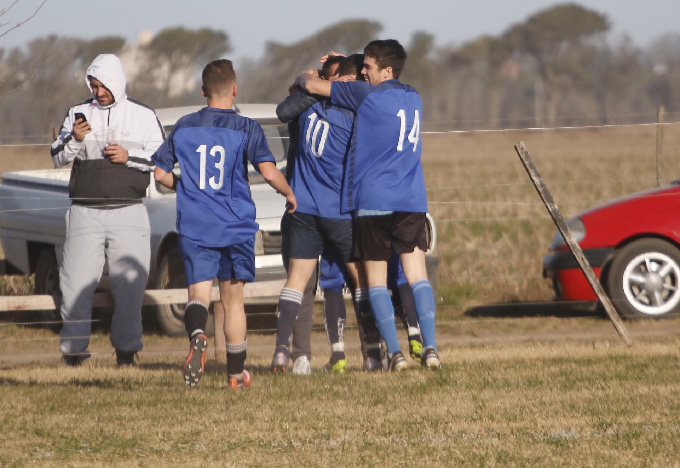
pixel 171 276
pixel 643 280
pixel 47 282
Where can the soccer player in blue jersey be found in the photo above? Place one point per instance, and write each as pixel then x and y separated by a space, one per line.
pixel 216 214
pixel 387 187
pixel 301 349
pixel 319 222
pixel 348 68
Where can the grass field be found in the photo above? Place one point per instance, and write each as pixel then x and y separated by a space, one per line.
pixel 507 402
pixel 526 382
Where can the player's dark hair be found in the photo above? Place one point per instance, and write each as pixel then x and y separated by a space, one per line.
pixel 218 76
pixel 325 72
pixel 387 53
pixel 351 65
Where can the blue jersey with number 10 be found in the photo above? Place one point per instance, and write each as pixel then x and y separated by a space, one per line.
pixel 213 148
pixel 383 170
pixel 325 132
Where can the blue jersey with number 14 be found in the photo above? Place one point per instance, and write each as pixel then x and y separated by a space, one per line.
pixel 383 170
pixel 213 148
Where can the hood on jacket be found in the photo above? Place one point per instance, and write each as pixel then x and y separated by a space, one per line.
pixel 109 71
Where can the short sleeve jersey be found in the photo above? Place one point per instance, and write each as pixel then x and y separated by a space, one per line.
pixel 213 148
pixel 383 170
pixel 323 144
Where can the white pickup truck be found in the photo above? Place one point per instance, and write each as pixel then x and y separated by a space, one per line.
pixel 33 204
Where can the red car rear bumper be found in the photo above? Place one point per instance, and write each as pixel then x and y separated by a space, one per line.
pixel 568 281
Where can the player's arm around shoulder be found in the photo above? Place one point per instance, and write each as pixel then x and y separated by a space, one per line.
pixel 275 178
pixel 313 84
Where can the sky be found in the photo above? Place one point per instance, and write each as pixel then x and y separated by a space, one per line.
pixel 250 24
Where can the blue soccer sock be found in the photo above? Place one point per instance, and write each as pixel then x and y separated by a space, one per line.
pixel 289 306
pixel 424 301
pixel 381 303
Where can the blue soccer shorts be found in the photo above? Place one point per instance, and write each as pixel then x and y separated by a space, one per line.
pixel 231 262
pixel 332 271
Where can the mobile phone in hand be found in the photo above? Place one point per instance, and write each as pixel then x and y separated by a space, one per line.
pixel 80 115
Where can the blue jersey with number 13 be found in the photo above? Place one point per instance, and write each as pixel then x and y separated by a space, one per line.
pixel 213 148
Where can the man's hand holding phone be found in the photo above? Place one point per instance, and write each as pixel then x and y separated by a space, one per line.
pixel 81 127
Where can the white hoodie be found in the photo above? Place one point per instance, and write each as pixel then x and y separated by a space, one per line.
pixel 94 179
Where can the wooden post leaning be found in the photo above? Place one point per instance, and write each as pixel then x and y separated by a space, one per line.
pixel 549 203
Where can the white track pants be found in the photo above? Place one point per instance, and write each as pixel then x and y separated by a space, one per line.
pixel 121 237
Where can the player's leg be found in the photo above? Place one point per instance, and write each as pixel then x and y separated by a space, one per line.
pixel 423 297
pixel 332 280
pixel 373 246
pixel 301 351
pixel 235 325
pixel 200 266
pixel 301 346
pixel 290 301
pixel 413 262
pixel 404 307
pixel 368 331
pixel 236 267
pixel 305 245
pixel 195 322
pixel 219 340
pixel 340 234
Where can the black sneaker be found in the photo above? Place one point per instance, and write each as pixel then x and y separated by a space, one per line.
pixel 195 363
pixel 125 358
pixel 280 360
pixel 74 360
pixel 397 362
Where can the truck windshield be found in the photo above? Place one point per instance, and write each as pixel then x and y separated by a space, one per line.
pixel 278 141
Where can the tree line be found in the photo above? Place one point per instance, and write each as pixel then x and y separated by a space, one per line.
pixel 556 68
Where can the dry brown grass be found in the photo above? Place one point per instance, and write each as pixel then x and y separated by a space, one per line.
pixel 572 402
pixel 493 228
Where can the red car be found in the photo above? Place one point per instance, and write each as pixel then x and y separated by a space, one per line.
pixel 633 245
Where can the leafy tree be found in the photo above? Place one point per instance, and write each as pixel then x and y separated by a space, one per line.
pixel 102 45
pixel 487 62
pixel 269 79
pixel 664 62
pixel 173 57
pixel 43 75
pixel 618 73
pixel 551 37
pixel 419 69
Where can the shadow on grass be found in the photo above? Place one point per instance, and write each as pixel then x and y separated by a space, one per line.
pixel 537 309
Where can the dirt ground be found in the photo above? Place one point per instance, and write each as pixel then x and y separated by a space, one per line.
pixel 482 326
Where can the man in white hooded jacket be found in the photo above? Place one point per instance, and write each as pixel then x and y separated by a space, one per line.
pixel 110 139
